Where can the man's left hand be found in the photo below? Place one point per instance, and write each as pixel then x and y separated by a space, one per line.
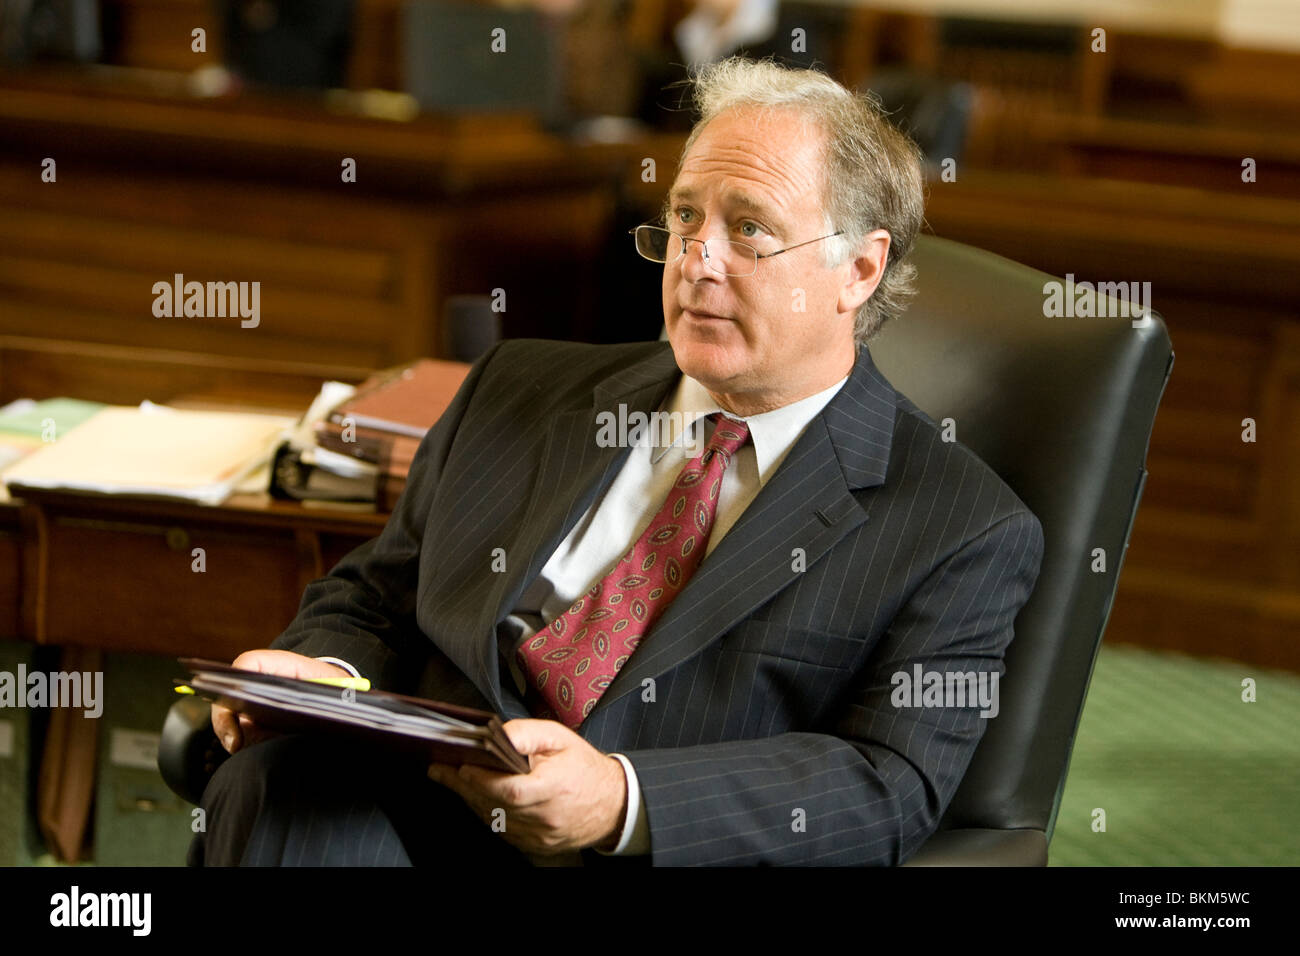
pixel 574 797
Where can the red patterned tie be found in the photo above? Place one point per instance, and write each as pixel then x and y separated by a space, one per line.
pixel 570 663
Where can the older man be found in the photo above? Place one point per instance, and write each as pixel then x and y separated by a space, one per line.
pixel 697 632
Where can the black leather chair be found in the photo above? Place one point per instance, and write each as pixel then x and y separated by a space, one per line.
pixel 1062 409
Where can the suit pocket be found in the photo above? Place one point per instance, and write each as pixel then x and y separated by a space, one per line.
pixel 792 643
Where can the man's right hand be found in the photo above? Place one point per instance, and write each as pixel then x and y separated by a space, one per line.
pixel 238 730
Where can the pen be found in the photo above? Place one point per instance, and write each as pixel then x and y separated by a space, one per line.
pixel 352 683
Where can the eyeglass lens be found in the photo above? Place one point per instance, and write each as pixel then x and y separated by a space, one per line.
pixel 729 258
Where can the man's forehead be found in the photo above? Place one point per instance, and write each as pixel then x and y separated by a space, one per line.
pixel 733 197
pixel 754 177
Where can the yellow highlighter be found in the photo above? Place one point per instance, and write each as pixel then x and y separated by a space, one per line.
pixel 350 683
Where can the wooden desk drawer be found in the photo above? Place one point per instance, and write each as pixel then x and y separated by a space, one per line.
pixel 137 585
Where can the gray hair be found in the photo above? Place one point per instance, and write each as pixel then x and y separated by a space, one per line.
pixel 873 173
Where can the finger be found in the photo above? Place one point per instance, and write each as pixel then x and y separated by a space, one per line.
pixel 516 791
pixel 467 787
pixel 287 664
pixel 532 736
pixel 485 801
pixel 226 728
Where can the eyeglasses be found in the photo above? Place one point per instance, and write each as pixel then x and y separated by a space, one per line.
pixel 724 256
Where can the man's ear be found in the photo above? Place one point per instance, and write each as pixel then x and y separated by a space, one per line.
pixel 866 269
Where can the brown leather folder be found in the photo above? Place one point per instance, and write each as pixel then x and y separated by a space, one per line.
pixel 403 401
pixel 446 733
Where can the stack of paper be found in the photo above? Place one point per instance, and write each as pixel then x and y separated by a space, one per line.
pixel 154 450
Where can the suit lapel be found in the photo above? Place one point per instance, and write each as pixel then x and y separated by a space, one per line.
pixel 573 470
pixel 808 504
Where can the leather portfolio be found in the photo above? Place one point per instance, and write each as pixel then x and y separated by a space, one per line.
pixel 445 733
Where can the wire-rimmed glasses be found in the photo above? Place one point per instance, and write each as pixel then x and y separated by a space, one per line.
pixel 724 256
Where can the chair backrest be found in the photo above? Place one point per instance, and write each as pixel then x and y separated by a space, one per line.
pixel 1062 408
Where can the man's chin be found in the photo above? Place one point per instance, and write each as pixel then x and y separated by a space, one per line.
pixel 713 366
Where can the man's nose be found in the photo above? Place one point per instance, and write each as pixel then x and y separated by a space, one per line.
pixel 694 263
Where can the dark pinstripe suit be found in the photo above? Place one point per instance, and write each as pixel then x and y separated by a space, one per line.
pixel 771 685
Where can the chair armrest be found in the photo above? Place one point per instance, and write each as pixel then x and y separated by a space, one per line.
pixel 189 752
pixel 976 847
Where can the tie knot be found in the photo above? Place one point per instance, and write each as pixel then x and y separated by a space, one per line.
pixel 728 436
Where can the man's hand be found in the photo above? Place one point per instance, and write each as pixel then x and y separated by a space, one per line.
pixel 575 796
pixel 238 730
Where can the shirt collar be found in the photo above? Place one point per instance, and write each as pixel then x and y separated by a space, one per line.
pixel 772 433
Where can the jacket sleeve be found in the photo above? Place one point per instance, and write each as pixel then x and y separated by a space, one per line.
pixel 363 611
pixel 874 785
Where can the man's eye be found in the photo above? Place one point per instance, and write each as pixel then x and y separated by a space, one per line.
pixel 750 230
pixel 683 215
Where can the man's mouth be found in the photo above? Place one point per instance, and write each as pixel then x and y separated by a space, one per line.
pixel 702 314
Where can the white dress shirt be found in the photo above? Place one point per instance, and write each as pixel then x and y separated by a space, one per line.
pixel 618 518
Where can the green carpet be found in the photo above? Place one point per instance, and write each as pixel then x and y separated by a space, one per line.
pixel 1187 773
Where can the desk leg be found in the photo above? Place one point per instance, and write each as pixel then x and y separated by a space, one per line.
pixel 66 787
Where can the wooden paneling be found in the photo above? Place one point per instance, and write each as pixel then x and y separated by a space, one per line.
pixel 1224 248
pixel 1176 154
pixel 1238 84
pixel 82 255
pixel 151 185
pixel 121 375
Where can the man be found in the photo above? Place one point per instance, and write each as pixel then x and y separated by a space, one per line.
pixel 731 710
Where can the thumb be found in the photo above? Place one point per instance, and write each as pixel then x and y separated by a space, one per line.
pixel 532 736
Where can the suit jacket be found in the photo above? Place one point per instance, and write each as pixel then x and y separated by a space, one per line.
pixel 757 712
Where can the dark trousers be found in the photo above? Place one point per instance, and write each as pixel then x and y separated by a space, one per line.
pixel 301 801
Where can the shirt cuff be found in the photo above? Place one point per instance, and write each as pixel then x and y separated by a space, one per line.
pixel 635 838
pixel 343 664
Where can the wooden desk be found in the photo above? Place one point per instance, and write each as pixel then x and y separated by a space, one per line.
pixel 96 573
pixel 104 573
pixel 116 573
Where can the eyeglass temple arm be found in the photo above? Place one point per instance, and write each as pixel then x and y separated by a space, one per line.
pixel 769 255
